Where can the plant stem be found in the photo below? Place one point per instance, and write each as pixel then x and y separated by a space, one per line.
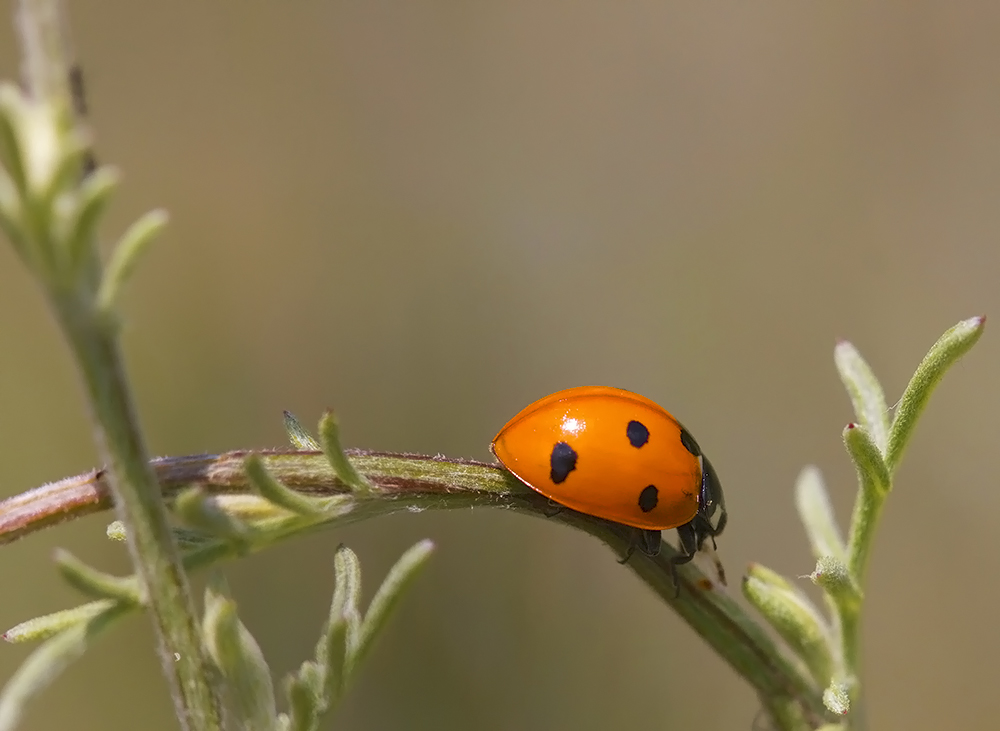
pixel 141 507
pixel 407 483
pixel 49 143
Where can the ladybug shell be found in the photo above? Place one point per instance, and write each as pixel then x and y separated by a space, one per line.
pixel 605 452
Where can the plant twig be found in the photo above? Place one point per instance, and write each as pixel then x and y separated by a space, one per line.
pixel 49 207
pixel 406 483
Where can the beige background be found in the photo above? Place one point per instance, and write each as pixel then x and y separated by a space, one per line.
pixel 430 214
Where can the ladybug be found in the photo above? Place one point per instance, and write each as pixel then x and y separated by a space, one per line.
pixel 617 455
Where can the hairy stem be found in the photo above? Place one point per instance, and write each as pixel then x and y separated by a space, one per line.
pixel 46 141
pixel 141 508
pixel 404 483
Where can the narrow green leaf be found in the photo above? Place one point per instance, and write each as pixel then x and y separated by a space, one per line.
pixel 41 628
pixel 131 246
pixel 835 579
pixel 951 346
pixel 329 434
pixel 872 471
pixel 341 630
pixel 387 598
pixel 837 699
pixel 202 511
pixel 11 154
pixel 92 199
pixel 874 484
pixel 344 605
pixel 311 674
pixel 335 672
pixel 816 514
pixel 238 657
pixel 11 214
pixel 49 660
pixel 272 490
pixel 97 584
pixel 303 703
pixel 865 391
pixel 65 173
pixel 298 436
pixel 794 617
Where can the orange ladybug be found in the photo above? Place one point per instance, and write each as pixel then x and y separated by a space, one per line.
pixel 616 455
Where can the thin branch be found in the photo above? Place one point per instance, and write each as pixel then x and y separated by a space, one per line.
pixel 52 223
pixel 408 483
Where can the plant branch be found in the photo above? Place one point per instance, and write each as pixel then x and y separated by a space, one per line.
pixel 141 507
pixel 49 207
pixel 401 482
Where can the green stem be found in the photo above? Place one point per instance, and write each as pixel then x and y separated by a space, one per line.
pixel 874 484
pixel 409 483
pixel 141 508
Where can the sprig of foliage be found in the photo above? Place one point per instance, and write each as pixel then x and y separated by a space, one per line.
pixel 51 202
pixel 215 531
pixel 831 648
pixel 317 687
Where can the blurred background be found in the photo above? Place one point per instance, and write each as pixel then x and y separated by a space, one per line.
pixel 428 215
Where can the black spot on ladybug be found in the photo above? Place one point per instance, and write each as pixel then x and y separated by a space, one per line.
pixel 648 498
pixel 637 434
pixel 689 443
pixel 562 461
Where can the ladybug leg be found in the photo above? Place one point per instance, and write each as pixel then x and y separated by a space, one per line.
pixel 692 539
pixel 648 541
pixel 723 519
pixel 689 540
pixel 628 553
pixel 554 509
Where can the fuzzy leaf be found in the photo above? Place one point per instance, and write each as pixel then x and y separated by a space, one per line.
pixel 835 579
pixel 125 257
pixel 11 212
pixel 303 702
pixel 872 471
pixel 202 511
pixel 44 627
pixel 272 490
pixel 794 617
pixel 49 660
pixel 816 513
pixel 951 346
pixel 238 657
pixel 11 157
pixel 298 436
pixel 92 199
pixel 97 584
pixel 335 653
pixel 386 599
pixel 344 605
pixel 865 391
pixel 329 434
pixel 837 699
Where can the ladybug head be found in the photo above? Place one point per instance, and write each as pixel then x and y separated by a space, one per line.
pixel 710 500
